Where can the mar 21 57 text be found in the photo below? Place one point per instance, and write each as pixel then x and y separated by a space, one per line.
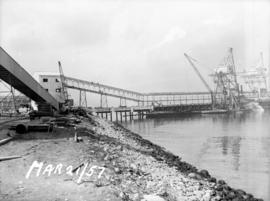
pixel 85 169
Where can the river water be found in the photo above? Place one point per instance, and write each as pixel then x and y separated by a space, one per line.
pixel 233 147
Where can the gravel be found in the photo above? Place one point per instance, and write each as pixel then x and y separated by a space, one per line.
pixel 141 170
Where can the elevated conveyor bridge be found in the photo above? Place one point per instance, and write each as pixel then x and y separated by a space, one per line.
pixel 16 76
pixel 142 99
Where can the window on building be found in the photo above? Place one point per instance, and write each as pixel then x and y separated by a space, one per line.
pixel 58 90
pixel 45 79
pixel 56 80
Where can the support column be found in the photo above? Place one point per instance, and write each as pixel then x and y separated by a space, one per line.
pixel 130 115
pixel 80 98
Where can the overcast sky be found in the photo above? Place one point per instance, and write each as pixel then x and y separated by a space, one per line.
pixel 138 45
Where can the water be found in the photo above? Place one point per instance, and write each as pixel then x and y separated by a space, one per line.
pixel 235 148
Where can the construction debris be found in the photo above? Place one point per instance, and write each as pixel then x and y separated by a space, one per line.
pixel 75 135
pixel 9 158
pixel 65 121
pixel 6 140
pixel 76 168
pixel 32 127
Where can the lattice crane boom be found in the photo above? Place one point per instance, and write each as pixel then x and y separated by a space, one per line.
pixel 198 72
pixel 62 78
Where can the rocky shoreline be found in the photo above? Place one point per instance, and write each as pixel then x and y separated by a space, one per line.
pixel 134 168
pixel 184 181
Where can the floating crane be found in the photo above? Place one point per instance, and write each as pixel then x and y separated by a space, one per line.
pixel 226 94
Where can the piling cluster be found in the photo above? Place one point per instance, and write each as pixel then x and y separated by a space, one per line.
pixel 122 114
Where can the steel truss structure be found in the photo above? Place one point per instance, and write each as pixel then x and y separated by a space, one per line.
pixel 142 99
pixel 226 85
pixel 11 100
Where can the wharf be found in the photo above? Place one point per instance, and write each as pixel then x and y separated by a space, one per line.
pixel 122 113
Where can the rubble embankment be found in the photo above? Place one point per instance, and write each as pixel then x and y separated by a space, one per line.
pixel 129 168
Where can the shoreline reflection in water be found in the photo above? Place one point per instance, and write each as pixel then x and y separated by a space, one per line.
pixel 233 147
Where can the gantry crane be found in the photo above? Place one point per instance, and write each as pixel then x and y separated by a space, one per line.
pixel 256 78
pixel 226 84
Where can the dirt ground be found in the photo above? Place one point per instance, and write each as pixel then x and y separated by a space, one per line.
pixel 50 148
pixel 108 163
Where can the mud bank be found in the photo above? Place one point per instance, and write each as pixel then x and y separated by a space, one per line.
pixel 108 163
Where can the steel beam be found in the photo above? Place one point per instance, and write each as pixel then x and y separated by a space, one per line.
pixel 12 73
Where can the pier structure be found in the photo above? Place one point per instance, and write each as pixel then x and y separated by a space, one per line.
pixel 122 113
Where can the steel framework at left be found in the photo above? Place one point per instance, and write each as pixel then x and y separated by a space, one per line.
pixel 16 76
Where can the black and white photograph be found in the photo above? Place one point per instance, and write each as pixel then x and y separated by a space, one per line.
pixel 134 100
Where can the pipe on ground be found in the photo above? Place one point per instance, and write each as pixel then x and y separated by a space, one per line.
pixel 21 128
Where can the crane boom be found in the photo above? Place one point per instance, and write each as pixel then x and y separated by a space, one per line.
pixel 197 72
pixel 62 78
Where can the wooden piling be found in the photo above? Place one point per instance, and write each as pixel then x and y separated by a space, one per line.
pixel 125 116
pixel 130 115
